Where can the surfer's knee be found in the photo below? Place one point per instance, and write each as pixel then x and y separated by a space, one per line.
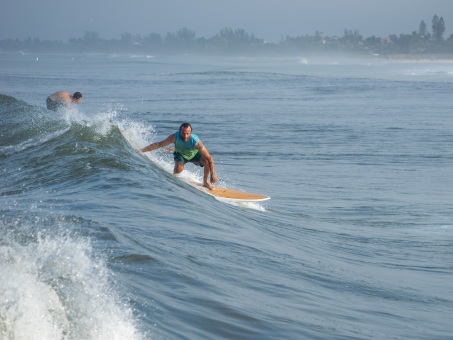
pixel 204 162
pixel 179 167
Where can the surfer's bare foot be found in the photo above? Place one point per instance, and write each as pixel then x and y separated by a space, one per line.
pixel 208 185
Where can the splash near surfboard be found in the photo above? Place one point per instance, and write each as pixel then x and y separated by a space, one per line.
pixel 220 193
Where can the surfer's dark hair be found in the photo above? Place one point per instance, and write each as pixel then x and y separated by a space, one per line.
pixel 185 126
pixel 77 95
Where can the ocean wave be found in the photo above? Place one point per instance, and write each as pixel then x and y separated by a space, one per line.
pixel 58 289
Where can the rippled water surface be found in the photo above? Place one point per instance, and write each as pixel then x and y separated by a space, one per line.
pixel 99 242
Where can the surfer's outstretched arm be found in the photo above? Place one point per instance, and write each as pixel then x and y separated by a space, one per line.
pixel 153 146
pixel 208 162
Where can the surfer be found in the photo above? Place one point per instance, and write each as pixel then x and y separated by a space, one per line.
pixel 188 148
pixel 62 99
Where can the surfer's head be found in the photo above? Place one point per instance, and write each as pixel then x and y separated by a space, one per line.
pixel 77 97
pixel 185 130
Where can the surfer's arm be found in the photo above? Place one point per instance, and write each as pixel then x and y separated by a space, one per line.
pixel 153 146
pixel 209 161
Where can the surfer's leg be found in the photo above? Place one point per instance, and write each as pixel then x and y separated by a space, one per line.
pixel 206 173
pixel 179 163
pixel 205 178
pixel 179 167
pixel 207 167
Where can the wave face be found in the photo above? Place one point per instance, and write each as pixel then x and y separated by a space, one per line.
pixel 54 285
pixel 99 242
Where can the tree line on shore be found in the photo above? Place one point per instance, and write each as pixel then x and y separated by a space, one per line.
pixel 238 41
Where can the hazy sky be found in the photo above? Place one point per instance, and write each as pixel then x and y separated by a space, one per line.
pixel 267 19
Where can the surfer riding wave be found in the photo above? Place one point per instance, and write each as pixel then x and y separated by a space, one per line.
pixel 188 148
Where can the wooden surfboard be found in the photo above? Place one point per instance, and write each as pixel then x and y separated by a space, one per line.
pixel 222 193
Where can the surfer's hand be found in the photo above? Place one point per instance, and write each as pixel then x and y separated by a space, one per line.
pixel 170 149
pixel 214 178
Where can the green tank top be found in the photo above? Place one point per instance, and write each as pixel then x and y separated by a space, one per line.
pixel 186 149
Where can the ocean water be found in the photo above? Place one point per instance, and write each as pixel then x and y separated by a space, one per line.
pixel 99 242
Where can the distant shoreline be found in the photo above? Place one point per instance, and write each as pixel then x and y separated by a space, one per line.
pixel 394 57
pixel 426 57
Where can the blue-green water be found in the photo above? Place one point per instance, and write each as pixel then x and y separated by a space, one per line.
pixel 97 242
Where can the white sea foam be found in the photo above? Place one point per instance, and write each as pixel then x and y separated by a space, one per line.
pixel 101 122
pixel 137 133
pixel 56 290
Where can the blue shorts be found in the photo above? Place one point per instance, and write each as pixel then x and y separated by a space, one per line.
pixel 195 160
pixel 52 105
